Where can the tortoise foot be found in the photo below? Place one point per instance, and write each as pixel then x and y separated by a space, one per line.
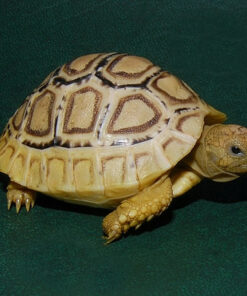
pixel 139 208
pixel 20 196
pixel 112 227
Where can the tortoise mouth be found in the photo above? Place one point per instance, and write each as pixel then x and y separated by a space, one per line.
pixel 238 168
pixel 241 170
pixel 219 174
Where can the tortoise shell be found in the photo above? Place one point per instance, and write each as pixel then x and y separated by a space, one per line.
pixel 100 129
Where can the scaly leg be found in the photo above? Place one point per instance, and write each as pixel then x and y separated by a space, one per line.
pixel 20 196
pixel 183 180
pixel 150 202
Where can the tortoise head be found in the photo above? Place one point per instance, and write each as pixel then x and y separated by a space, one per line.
pixel 222 153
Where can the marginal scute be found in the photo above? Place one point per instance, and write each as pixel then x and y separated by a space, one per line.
pixel 56 173
pixel 175 149
pixel 113 169
pixel 3 142
pixel 147 168
pixel 189 123
pixel 83 173
pixel 40 117
pixel 34 177
pixel 6 157
pixel 18 167
pixel 86 176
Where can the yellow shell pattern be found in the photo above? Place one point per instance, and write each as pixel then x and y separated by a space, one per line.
pixel 100 129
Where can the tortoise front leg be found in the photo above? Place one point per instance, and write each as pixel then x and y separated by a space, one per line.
pixel 150 202
pixel 20 196
pixel 183 180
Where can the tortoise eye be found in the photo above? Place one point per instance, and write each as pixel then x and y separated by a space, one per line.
pixel 236 151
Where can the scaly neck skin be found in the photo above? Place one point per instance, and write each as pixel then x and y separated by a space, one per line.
pixel 214 158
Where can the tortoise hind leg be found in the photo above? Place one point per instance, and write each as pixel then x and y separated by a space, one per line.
pixel 20 196
pixel 150 202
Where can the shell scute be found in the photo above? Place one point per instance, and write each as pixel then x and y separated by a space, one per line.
pixel 40 119
pixel 81 65
pixel 126 120
pixel 35 176
pixel 83 173
pixel 6 157
pixel 86 101
pixel 174 91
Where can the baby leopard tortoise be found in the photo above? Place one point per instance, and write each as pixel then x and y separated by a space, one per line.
pixel 116 131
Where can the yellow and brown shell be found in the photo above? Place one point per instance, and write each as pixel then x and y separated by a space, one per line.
pixel 101 128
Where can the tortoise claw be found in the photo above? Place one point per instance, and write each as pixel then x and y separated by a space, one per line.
pixel 9 203
pixel 20 196
pixel 18 203
pixel 111 237
pixel 28 204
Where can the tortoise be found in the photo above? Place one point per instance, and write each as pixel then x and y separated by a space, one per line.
pixel 115 131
